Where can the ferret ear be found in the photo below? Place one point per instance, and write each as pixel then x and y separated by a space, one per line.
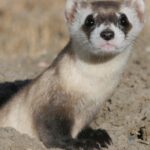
pixel 72 7
pixel 71 10
pixel 139 5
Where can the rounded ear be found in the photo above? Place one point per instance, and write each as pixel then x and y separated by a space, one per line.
pixel 72 7
pixel 139 5
pixel 71 10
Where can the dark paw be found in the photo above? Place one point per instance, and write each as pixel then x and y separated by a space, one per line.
pixel 84 145
pixel 99 136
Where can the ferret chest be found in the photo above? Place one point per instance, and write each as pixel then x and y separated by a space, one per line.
pixel 90 80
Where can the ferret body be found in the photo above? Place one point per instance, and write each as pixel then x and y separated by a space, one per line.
pixel 60 103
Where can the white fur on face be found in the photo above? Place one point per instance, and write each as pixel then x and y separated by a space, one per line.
pixel 102 46
pixel 137 25
pixel 139 5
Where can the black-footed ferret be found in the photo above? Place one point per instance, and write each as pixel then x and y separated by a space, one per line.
pixel 58 105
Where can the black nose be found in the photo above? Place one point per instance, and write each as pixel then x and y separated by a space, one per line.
pixel 107 34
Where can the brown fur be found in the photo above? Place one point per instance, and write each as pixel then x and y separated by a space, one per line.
pixel 105 5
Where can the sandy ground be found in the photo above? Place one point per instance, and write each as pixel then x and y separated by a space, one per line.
pixel 31 34
pixel 10 139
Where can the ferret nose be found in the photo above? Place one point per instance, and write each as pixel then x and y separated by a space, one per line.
pixel 107 34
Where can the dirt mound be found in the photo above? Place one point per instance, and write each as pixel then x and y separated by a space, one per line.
pixel 10 139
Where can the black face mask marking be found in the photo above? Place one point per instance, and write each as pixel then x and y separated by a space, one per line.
pixel 89 25
pixel 106 13
pixel 89 22
pixel 121 22
pixel 124 24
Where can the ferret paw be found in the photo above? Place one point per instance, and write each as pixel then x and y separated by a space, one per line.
pixel 84 145
pixel 98 135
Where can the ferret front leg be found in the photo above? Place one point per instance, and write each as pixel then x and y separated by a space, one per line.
pixel 98 135
pixel 55 132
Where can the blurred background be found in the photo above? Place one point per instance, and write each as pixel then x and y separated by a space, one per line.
pixel 32 27
pixel 31 33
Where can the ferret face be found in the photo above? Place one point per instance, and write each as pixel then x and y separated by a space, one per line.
pixel 104 27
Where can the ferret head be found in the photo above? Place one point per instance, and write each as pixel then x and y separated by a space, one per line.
pixel 104 27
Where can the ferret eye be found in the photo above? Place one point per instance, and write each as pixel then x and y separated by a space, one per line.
pixel 89 22
pixel 123 20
